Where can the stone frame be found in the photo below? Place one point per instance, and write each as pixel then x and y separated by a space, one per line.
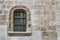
pixel 28 29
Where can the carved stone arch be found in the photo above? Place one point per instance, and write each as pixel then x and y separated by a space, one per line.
pixel 20 7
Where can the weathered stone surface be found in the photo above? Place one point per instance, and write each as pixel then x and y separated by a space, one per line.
pixel 9 2
pixel 1 1
pixel 49 35
pixel 3 6
pixel 1 11
pixel 6 11
pixel 45 33
pixel 8 6
pixel 3 17
pixel 41 16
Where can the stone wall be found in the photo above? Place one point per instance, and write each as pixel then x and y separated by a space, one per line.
pixel 44 15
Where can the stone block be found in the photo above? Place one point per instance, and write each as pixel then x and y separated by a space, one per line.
pixel 52 23
pixel 57 17
pixel 3 6
pixel 8 6
pixel 9 2
pixel 2 22
pixel 2 17
pixel 1 1
pixel 53 28
pixel 6 11
pixel 1 11
pixel 2 34
pixel 45 33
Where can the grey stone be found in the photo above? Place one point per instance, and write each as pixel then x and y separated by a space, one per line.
pixel 1 2
pixel 1 11
pixel 3 6
pixel 8 2
pixel 3 17
pixel 6 11
pixel 41 8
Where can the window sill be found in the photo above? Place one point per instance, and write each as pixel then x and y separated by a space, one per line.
pixel 19 34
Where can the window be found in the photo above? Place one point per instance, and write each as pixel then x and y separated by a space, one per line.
pixel 19 21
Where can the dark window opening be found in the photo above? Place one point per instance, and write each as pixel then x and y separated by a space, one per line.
pixel 19 20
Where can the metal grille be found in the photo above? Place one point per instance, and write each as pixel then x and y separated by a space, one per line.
pixel 19 20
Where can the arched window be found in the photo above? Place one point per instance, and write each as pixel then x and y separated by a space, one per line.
pixel 19 21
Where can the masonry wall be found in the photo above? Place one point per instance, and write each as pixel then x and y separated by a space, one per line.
pixel 45 14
